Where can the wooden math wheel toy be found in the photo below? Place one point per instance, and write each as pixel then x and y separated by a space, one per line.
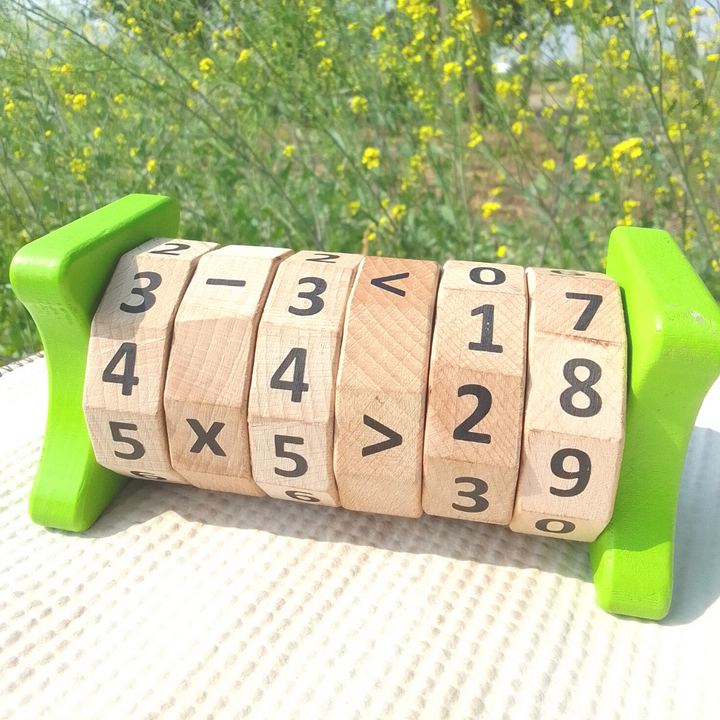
pixel 557 402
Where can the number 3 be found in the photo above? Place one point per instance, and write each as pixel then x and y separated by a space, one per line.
pixel 480 487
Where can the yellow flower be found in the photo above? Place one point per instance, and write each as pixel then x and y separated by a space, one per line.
pixel 358 104
pixel 416 163
pixel 517 128
pixel 489 208
pixel 501 251
pixel 549 164
pixel 97 131
pixel 625 147
pixel 133 152
pixel 425 133
pixel 475 137
pixel 244 55
pixel 646 14
pixel 378 31
pixel 580 162
pixel 79 101
pixel 715 266
pixel 206 65
pixel 78 166
pixel 354 206
pixel 119 98
pixel 628 206
pixel 48 133
pixel 325 64
pixel 288 151
pixel 371 158
pixel 595 197
pixel 502 88
pixel 399 211
pixel 66 68
pixel 451 68
pixel 151 166
pixel 713 58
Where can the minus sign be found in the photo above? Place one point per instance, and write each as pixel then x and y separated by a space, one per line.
pixel 221 281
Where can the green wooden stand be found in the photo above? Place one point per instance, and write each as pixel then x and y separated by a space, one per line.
pixel 674 357
pixel 61 278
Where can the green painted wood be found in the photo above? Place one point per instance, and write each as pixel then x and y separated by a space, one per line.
pixel 61 278
pixel 673 328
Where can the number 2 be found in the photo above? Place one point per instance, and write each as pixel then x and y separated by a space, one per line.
pixel 484 402
pixel 175 250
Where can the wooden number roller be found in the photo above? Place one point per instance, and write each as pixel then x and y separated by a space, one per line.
pixel 557 402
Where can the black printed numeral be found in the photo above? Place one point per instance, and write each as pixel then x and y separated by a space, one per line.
pixel 484 402
pixel 301 496
pixel 593 303
pixel 316 302
pixel 573 273
pixel 296 386
pixel 581 386
pixel 171 248
pixel 146 475
pixel 545 526
pixel 497 276
pixel 301 466
pixel 138 449
pixel 128 378
pixel 480 487
pixel 486 344
pixel 323 258
pixel 146 293
pixel 581 475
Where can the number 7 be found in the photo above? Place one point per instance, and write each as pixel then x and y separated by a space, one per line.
pixel 593 303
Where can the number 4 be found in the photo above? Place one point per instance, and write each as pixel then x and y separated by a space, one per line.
pixel 128 378
pixel 296 386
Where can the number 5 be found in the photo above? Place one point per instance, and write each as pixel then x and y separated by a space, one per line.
pixel 301 465
pixel 138 449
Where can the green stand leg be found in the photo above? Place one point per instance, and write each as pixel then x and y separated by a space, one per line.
pixel 61 278
pixel 673 328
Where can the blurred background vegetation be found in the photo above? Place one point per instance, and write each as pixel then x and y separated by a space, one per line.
pixel 474 129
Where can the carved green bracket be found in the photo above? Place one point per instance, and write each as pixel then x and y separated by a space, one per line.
pixel 60 278
pixel 673 327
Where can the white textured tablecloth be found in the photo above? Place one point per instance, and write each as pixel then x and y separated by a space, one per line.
pixel 182 603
